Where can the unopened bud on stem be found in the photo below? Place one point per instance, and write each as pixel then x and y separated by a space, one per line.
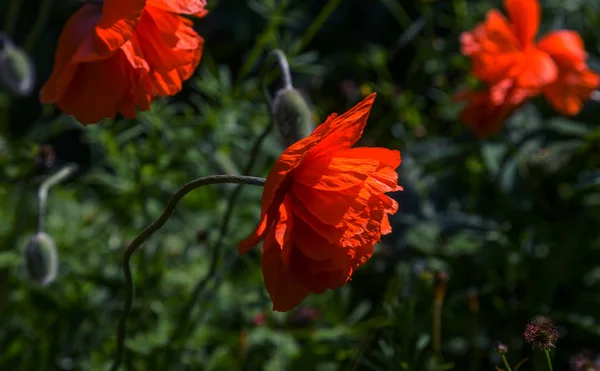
pixel 291 113
pixel 17 72
pixel 41 258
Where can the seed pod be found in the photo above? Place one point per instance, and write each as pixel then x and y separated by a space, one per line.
pixel 292 115
pixel 17 72
pixel 41 258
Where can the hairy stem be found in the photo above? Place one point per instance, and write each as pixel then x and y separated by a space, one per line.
pixel 149 230
pixel 185 313
pixel 284 66
pixel 51 181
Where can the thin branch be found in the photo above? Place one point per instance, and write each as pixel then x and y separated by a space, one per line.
pixel 185 313
pixel 148 231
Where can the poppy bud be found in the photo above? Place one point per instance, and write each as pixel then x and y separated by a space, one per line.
pixel 17 72
pixel 292 115
pixel 41 258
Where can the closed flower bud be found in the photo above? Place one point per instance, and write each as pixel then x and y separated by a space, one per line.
pixel 17 72
pixel 41 258
pixel 501 348
pixel 292 115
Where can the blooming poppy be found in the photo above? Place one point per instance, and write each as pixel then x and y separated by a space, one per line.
pixel 119 55
pixel 506 57
pixel 324 207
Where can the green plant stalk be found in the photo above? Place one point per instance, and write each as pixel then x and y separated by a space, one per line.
pixel 39 25
pixel 12 15
pixel 521 363
pixel 437 330
pixel 262 40
pixel 548 359
pixel 148 231
pixel 505 361
pixel 310 33
pixel 398 12
pixel 317 24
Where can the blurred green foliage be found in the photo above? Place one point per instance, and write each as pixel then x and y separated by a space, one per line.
pixel 512 221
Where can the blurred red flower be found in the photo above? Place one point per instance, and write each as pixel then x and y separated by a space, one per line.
pixel 119 55
pixel 323 208
pixel 505 56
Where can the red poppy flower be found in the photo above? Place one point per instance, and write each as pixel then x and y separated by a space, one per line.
pixel 120 55
pixel 502 49
pixel 323 208
pixel 505 56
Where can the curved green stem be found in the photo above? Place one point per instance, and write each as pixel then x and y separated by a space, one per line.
pixel 199 287
pixel 149 230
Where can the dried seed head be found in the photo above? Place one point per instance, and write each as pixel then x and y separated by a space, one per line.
pixel 292 115
pixel 41 258
pixel 541 333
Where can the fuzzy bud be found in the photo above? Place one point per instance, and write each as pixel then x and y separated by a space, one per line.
pixel 41 258
pixel 17 72
pixel 292 115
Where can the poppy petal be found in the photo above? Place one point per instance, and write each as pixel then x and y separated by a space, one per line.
pixel 317 276
pixel 334 173
pixel 284 288
pixel 346 129
pixel 571 90
pixel 118 22
pixel 535 70
pixel 78 28
pixel 192 7
pixel 97 89
pixel 566 48
pixel 525 16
